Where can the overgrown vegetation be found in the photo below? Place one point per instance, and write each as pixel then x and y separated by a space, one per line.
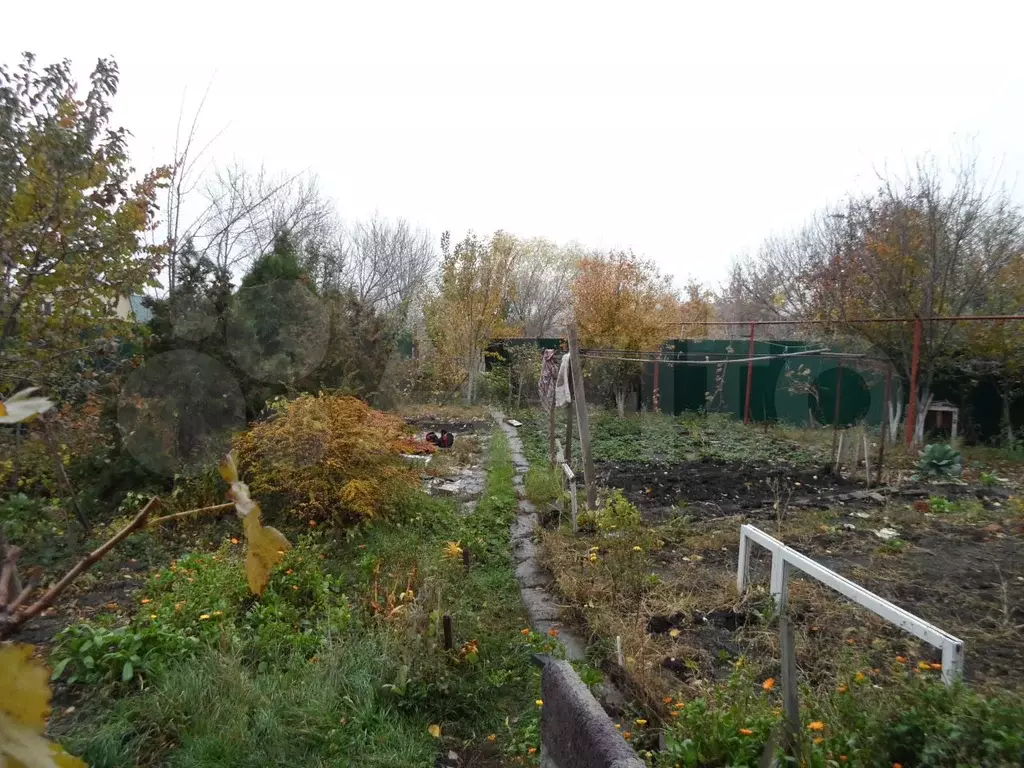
pixel 347 638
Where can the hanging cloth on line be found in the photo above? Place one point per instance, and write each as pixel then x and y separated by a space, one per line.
pixel 548 379
pixel 562 395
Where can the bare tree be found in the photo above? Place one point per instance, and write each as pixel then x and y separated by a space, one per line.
pixel 387 262
pixel 541 281
pixel 248 209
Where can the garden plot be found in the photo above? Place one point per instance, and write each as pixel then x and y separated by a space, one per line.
pixel 661 580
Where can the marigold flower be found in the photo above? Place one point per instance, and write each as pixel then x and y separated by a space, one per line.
pixel 746 732
pixel 860 677
pixel 923 665
pixel 638 549
pixel 312 523
pixel 935 666
pixel 819 740
pixel 492 738
pixel 524 631
pixel 641 722
pixel 434 730
pixel 531 751
pixel 540 702
pixel 843 688
pixel 234 541
pixel 627 735
pixel 768 684
pixel 553 632
pixel 674 713
pixel 842 758
pixel 204 616
pixel 152 615
pixel 901 659
pixel 668 699
pixel 817 725
pixel 146 600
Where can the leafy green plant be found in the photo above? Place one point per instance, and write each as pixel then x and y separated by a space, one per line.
pixel 616 512
pixel 940 460
pixel 95 655
pixel 989 479
pixel 940 505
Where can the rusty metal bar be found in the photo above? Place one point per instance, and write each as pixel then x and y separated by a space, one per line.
pixel 750 374
pixel 885 424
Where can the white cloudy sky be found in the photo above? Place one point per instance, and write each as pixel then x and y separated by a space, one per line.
pixel 685 133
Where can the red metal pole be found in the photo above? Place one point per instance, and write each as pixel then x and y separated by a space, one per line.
pixel 914 363
pixel 885 424
pixel 750 375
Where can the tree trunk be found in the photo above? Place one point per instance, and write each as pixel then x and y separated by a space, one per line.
pixel 620 401
pixel 1007 422
pixel 924 402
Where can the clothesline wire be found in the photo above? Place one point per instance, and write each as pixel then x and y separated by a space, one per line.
pixel 802 353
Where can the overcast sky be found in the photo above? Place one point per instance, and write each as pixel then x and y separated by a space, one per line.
pixel 686 134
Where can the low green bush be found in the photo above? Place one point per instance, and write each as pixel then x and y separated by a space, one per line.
pixel 95 655
pixel 910 718
pixel 616 512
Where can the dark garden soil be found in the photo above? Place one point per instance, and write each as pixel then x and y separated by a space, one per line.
pixel 717 488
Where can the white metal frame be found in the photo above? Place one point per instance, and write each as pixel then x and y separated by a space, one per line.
pixel 784 558
pixel 570 478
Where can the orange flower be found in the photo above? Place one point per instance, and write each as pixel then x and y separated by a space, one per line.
pixel 146 600
pixel 680 705
pixel 817 725
pixel 843 688
pixel 923 665
pixel 901 659
pixel 532 751
pixel 935 666
pixel 674 713
pixel 553 632
pixel 234 541
pixel 525 631
pixel 627 735
pixel 668 699
pixel 288 572
pixel 768 684
pixel 492 738
pixel 859 677
pixel 852 640
pixel 842 758
pixel 746 732
pixel 819 740
pixel 897 765
pixel 312 523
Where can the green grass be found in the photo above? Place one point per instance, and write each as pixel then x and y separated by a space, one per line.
pixel 651 437
pixel 543 482
pixel 341 662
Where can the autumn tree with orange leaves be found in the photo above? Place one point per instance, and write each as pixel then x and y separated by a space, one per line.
pixel 622 303
pixel 934 242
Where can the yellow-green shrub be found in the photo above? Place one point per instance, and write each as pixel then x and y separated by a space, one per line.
pixel 329 457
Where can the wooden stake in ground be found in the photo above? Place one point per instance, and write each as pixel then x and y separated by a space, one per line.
pixel 582 418
pixel 790 700
pixel 449 635
pixel 551 423
pixel 867 460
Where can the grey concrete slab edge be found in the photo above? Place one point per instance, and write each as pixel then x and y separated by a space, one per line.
pixel 575 731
